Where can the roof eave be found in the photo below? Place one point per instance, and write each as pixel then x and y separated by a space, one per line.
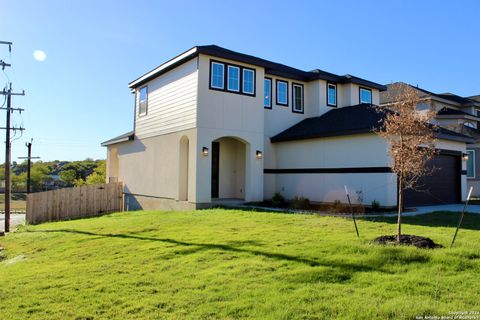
pixel 107 143
pixel 457 116
pixel 169 65
pixel 445 136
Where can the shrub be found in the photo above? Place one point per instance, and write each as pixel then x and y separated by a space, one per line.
pixel 375 206
pixel 339 207
pixel 278 200
pixel 300 203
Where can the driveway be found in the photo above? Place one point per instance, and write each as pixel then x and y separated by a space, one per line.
pixel 15 219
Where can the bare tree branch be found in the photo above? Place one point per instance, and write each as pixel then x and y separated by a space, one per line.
pixel 411 137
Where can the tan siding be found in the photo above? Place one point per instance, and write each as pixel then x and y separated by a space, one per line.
pixel 172 102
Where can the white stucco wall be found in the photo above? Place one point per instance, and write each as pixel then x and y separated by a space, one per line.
pixel 367 150
pixel 224 114
pixel 150 166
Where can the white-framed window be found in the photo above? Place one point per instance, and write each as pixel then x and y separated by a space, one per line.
pixel 282 93
pixel 143 100
pixel 365 95
pixel 297 97
pixel 331 95
pixel 248 86
pixel 267 97
pixel 471 164
pixel 233 78
pixel 217 74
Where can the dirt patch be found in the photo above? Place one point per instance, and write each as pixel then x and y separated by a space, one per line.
pixel 408 240
pixel 15 259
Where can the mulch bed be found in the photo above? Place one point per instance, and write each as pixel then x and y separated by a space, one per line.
pixel 408 240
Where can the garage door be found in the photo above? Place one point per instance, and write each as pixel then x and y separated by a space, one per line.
pixel 442 187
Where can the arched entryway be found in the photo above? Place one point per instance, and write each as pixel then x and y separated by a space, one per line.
pixel 228 168
pixel 183 170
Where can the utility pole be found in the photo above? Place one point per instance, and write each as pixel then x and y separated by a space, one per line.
pixel 8 128
pixel 29 162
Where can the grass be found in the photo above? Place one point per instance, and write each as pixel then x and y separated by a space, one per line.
pixel 17 203
pixel 230 264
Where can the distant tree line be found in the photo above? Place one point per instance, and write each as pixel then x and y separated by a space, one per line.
pixel 56 174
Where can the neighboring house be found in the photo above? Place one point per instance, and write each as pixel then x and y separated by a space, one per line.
pixel 460 114
pixel 215 124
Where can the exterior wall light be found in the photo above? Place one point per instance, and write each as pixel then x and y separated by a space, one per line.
pixel 205 151
pixel 259 154
pixel 465 156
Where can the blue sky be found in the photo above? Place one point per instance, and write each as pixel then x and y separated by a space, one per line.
pixel 78 96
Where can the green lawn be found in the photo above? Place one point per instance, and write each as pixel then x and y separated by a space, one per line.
pixel 227 264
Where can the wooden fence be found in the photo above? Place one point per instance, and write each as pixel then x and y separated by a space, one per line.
pixel 71 203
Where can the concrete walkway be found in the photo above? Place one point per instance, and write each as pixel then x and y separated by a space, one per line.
pixel 428 209
pixel 409 212
pixel 15 219
pixel 472 208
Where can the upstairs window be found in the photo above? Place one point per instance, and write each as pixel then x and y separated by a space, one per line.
pixel 143 100
pixel 217 74
pixel 297 98
pixel 282 93
pixel 365 95
pixel 267 97
pixel 233 77
pixel 331 95
pixel 471 164
pixel 248 81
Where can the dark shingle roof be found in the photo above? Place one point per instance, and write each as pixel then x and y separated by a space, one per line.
pixel 358 119
pixel 472 132
pixel 454 97
pixel 388 96
pixel 453 112
pixel 129 136
pixel 271 68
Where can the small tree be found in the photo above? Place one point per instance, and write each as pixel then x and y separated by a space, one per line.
pixel 410 134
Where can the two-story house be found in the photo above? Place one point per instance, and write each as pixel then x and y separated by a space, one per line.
pixel 460 114
pixel 214 124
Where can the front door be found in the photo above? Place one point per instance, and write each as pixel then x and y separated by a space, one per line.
pixel 215 168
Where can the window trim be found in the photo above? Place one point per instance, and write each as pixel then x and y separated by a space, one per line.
pixel 336 95
pixel 139 101
pixel 471 152
pixel 277 81
pixel 360 95
pixel 271 91
pixel 243 83
pixel 210 84
pixel 225 78
pixel 239 77
pixel 294 84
